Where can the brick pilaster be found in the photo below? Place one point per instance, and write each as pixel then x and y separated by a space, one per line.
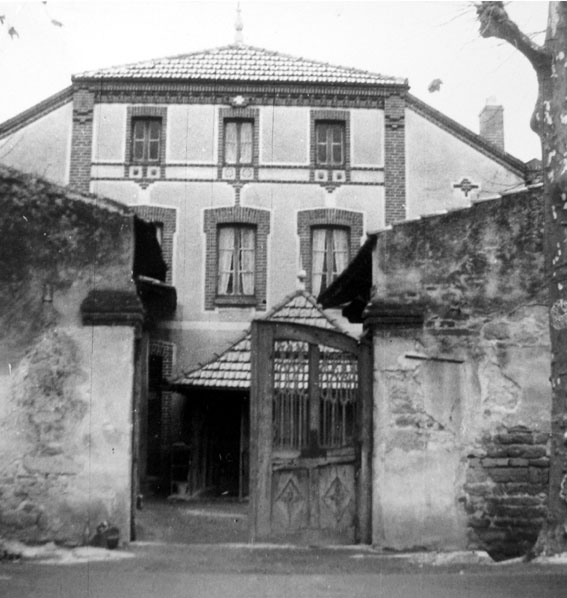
pixel 395 158
pixel 81 139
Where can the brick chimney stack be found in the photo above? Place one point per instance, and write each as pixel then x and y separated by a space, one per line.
pixel 492 123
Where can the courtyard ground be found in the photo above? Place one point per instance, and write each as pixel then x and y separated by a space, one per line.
pixel 192 522
pixel 199 550
pixel 244 571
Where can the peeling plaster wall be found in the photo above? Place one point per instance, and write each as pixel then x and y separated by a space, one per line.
pixel 462 404
pixel 417 415
pixel 66 390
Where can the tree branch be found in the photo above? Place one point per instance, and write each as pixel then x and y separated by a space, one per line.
pixel 495 22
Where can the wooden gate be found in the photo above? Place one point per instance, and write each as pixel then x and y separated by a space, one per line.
pixel 310 416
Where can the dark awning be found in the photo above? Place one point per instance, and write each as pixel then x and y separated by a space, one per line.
pixel 351 290
pixel 148 259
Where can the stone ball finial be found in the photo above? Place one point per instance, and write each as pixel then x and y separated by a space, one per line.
pixel 301 278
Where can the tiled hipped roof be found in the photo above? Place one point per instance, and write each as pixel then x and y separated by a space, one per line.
pixel 231 369
pixel 242 63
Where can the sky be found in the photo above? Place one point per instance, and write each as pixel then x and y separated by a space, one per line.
pixel 421 41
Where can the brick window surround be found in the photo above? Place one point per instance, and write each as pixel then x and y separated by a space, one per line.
pixel 328 117
pixel 149 112
pixel 237 215
pixel 307 220
pixel 167 218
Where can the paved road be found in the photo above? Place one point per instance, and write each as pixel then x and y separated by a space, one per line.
pixel 215 572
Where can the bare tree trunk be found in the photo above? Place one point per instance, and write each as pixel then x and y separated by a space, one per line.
pixel 549 121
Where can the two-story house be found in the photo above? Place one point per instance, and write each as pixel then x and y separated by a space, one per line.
pixel 254 165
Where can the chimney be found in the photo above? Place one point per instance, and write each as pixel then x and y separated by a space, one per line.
pixel 492 123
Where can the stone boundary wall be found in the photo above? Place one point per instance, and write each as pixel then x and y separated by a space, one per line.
pixel 66 379
pixel 462 395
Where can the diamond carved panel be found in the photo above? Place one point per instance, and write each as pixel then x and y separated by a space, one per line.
pixel 337 498
pixel 290 498
pixel 289 511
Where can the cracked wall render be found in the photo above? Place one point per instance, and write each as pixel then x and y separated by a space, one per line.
pixel 65 388
pixel 462 405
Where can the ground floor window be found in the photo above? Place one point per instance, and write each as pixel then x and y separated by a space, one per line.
pixel 330 256
pixel 236 260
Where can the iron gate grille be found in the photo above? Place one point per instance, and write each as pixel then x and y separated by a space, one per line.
pixel 338 391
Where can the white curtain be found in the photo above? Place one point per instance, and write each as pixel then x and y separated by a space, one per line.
pixel 340 251
pixel 226 260
pixel 247 263
pixel 230 143
pixel 318 262
pixel 245 143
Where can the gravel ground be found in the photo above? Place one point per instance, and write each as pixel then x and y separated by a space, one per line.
pixel 194 522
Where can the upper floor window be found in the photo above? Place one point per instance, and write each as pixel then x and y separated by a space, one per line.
pixel 238 141
pixel 236 260
pixel 330 143
pixel 146 139
pixel 330 256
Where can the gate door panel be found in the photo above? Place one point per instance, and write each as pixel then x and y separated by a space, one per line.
pixel 310 435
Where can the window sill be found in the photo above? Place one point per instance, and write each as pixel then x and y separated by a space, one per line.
pixel 236 301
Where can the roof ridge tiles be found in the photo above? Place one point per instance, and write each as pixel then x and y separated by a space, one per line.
pixel 246 62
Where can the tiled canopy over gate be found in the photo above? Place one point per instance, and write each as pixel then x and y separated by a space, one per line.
pixel 231 369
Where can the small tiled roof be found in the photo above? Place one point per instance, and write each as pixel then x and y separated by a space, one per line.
pixel 231 369
pixel 241 63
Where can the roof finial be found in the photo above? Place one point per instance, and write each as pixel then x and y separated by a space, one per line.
pixel 238 26
pixel 301 277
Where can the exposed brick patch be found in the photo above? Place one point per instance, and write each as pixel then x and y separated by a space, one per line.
pixel 81 140
pixel 506 490
pixel 167 217
pixel 395 158
pixel 236 215
pixel 307 219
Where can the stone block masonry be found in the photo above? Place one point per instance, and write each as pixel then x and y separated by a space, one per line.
pixel 506 490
